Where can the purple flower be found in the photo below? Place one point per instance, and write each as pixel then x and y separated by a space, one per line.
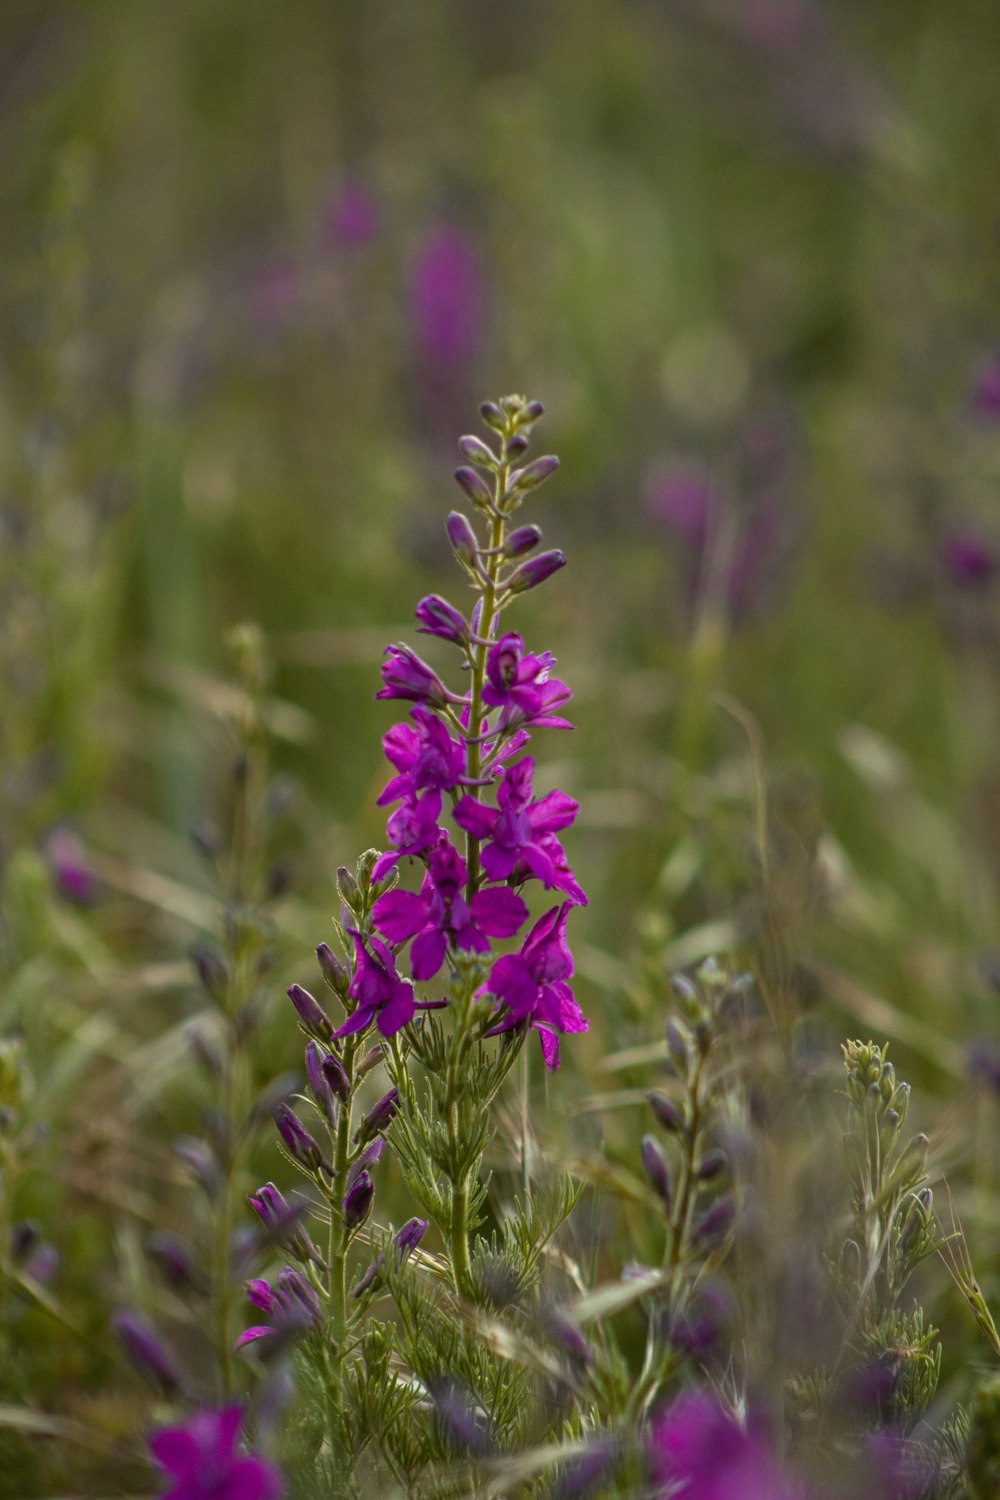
pixel 405 676
pixel 520 686
pixel 535 571
pixel 201 1462
pixel 440 915
pixel 406 1240
pixel 700 1452
pixel 447 299
pixel 968 559
pixel 68 860
pixel 425 755
pixel 435 616
pixel 352 219
pixel 531 984
pixel 282 1220
pixel 411 829
pixel 522 832
pixel 302 1146
pixel 293 1307
pixel 380 994
pixel 681 499
pixel 144 1349
pixel 357 1202
pixel 987 391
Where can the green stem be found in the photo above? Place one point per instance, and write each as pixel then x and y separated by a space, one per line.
pixel 337 1243
pixel 684 1201
pixel 487 625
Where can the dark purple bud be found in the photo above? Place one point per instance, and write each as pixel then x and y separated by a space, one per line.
pixel 475 487
pixel 301 1146
pixel 656 1167
pixel 583 1473
pixel 334 971
pixel 24 1238
pixel 371 1059
pixel 370 1157
pixel 202 1162
pixel 312 1015
pixel 409 1237
pixel 493 416
pixel 522 540
pixel 144 1349
pixel 532 412
pixel 515 446
pixel 350 892
pixel 174 1259
pixel 667 1113
pixel 716 1222
pixel 42 1264
pixel 336 1076
pixel 463 540
pixel 712 1165
pixel 677 1046
pixel 437 617
pixel 535 571
pixel 369 1278
pixel 213 973
pixel 282 1221
pixel 321 1090
pixel 378 1117
pixel 535 474
pixel 358 1201
pixel 300 1296
pixel 476 451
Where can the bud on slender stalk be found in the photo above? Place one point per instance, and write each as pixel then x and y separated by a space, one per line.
pixel 535 571
pixel 358 1201
pixel 522 540
pixel 350 893
pixel 336 1076
pixel 409 1237
pixel 476 451
pixel 378 1117
pixel 475 487
pixel 515 446
pixel 666 1111
pixel 319 1084
pixel 712 1165
pixel 301 1145
pixel 334 973
pixel 144 1349
pixel 370 1157
pixel 463 540
pixel 436 616
pixel 312 1015
pixel 535 474
pixel 492 416
pixel 656 1167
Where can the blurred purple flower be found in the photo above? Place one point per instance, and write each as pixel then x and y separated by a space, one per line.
pixel 986 395
pixel 447 299
pixel 984 1063
pixel 352 218
pixel 698 1451
pixel 141 1344
pixel 292 1305
pixel 276 289
pixel 968 560
pixel 681 500
pixel 67 857
pixel 201 1462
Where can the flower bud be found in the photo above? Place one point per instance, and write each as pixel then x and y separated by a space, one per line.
pixel 371 1059
pixel 312 1015
pixel 202 1162
pixel 522 540
pixel 666 1111
pixel 476 451
pixel 334 972
pixel 535 571
pixel 378 1117
pixel 492 416
pixel 712 1164
pixel 515 446
pixel 677 1045
pixel 301 1145
pixel 535 474
pixel 463 540
pixel 437 617
pixel 370 1157
pixel 358 1201
pixel 319 1085
pixel 261 1294
pixel 716 1222
pixel 282 1221
pixel 300 1296
pixel 213 973
pixel 475 487
pixel 350 892
pixel 144 1349
pixel 656 1167
pixel 336 1076
pixel 409 1237
pixel 174 1259
pixel 531 412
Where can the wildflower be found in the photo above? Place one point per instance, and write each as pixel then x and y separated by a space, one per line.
pixel 531 984
pixel 987 390
pixel 521 687
pixel 404 1241
pixel 968 560
pixel 293 1306
pixel 440 915
pixel 201 1462
pixel 282 1220
pixel 378 990
pixel 435 616
pixel 67 857
pixel 700 1452
pixel 144 1349
pixel 352 219
pixel 520 831
pixel 302 1147
pixel 405 676
pixel 425 755
pixel 357 1202
pixel 411 829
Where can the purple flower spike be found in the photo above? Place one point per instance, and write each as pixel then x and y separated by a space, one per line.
pixel 968 560
pixel 144 1349
pixel 522 832
pixel 531 984
pixel 201 1460
pixel 520 686
pixel 378 991
pixel 352 220
pixel 440 916
pixel 405 676
pixel 436 616
pixel 987 392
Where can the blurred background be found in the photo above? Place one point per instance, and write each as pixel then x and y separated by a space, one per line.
pixel 261 264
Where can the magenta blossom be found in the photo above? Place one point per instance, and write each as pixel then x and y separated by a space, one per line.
pixel 405 675
pixel 424 754
pixel 521 833
pixel 699 1451
pixel 293 1306
pixel 380 993
pixel 521 687
pixel 411 829
pixel 532 985
pixel 440 915
pixel 201 1462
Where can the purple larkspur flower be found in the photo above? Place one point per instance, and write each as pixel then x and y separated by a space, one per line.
pixel 293 1306
pixel 521 832
pixel 406 676
pixel 447 299
pixel 520 686
pixel 411 829
pixel 532 985
pixel 440 914
pixel 283 1220
pixel 698 1451
pixel 202 1462
pixel 352 218
pixel 380 995
pixel 426 757
pixel 435 616
pixel 404 1242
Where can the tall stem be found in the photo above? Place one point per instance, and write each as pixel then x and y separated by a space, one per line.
pixel 337 1242
pixel 487 626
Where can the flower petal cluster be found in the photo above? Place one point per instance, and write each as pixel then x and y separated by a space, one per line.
pixel 201 1460
pixel 380 994
pixel 532 985
pixel 520 686
pixel 292 1304
pixel 521 832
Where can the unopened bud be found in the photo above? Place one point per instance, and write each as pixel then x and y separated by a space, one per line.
pixel 378 1117
pixel 144 1349
pixel 535 474
pixel 656 1167
pixel 531 412
pixel 716 1222
pixel 677 1045
pixel 213 973
pixel 666 1111
pixel 370 1157
pixel 409 1237
pixel 312 1015
pixel 336 1076
pixel 349 890
pixel 475 487
pixel 301 1145
pixel 357 1203
pixel 476 451
pixel 436 616
pixel 333 970
pixel 463 540
pixel 515 446
pixel 522 540
pixel 712 1164
pixel 492 416
pixel 535 571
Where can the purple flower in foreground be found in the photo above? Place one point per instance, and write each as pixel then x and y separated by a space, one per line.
pixel 531 984
pixel 68 861
pixel 521 687
pixel 411 829
pixel 201 1462
pixel 406 676
pixel 521 832
pixel 425 755
pixel 440 914
pixel 447 299
pixel 380 994
pixel 698 1451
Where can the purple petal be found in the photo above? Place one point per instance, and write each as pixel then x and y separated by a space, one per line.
pixel 356 1021
pixel 475 818
pixel 550 1048
pixel 400 915
pixel 427 954
pixel 499 912
pixel 498 863
pixel 513 982
pixel 559 1005
pixel 554 811
pixel 251 1335
pixel 397 1011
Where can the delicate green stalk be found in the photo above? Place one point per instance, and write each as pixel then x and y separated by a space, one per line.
pixel 337 1243
pixel 487 625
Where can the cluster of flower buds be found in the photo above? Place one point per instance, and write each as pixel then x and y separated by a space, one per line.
pixel 452 751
